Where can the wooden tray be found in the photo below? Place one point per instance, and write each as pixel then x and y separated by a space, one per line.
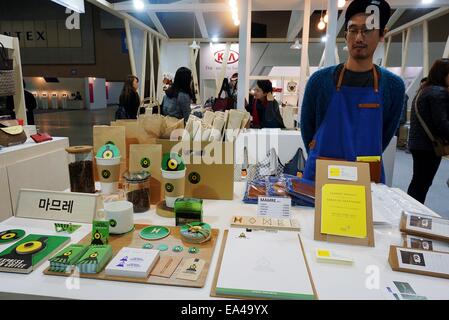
pixel 133 240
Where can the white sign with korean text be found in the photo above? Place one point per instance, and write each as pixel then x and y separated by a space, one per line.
pixel 59 206
pixel 275 207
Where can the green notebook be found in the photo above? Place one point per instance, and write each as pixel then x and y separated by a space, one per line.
pixel 27 254
pixel 95 259
pixel 65 260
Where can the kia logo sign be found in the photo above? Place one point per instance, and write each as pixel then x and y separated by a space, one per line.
pixel 233 56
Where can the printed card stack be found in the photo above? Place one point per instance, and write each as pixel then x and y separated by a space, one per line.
pixel 95 259
pixel 65 260
pixel 132 262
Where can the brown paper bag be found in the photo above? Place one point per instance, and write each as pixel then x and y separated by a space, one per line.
pixel 148 157
pixel 171 124
pixel 131 133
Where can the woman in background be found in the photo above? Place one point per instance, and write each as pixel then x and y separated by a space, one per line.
pixel 179 95
pixel 265 109
pixel 432 102
pixel 129 101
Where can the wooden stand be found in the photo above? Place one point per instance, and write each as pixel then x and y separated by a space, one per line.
pixel 164 211
pixel 133 240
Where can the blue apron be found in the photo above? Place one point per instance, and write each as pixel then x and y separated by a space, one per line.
pixel 352 128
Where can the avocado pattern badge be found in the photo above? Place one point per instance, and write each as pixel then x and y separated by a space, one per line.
pixel 194 178
pixel 145 163
pixel 169 187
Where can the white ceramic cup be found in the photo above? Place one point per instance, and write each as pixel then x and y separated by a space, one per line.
pixel 120 216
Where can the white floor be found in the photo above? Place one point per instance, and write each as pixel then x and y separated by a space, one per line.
pixel 438 196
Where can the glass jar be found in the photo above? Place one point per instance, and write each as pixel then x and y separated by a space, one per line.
pixel 81 169
pixel 137 190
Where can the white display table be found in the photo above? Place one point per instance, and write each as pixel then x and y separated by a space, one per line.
pixel 32 165
pixel 367 278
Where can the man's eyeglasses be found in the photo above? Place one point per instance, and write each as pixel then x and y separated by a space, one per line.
pixel 353 32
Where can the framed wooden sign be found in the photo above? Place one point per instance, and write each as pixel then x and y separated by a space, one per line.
pixel 425 226
pixel 343 204
pixel 58 206
pixel 422 262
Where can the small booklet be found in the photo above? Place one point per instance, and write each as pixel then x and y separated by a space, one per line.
pixel 133 262
pixel 30 252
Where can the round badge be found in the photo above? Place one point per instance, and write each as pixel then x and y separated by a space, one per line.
pixel 145 163
pixel 147 246
pixel 178 248
pixel 154 233
pixel 29 247
pixel 194 178
pixel 105 174
pixel 112 223
pixel 194 250
pixel 11 235
pixel 162 247
pixel 172 164
pixel 169 187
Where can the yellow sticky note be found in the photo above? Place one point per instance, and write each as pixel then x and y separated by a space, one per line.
pixel 343 210
pixel 323 253
pixel 369 159
pixel 335 172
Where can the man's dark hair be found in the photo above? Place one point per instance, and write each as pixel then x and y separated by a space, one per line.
pixel 265 85
pixel 360 6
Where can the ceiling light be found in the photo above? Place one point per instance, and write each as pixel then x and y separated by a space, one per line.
pixel 326 18
pixel 296 45
pixel 426 1
pixel 236 23
pixel 194 45
pixel 321 24
pixel 233 4
pixel 341 3
pixel 139 5
pixel 323 39
pixel 214 39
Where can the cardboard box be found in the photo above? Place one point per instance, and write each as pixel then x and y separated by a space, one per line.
pixel 210 167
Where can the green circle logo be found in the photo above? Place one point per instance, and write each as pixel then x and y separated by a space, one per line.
pixel 169 187
pixel 112 223
pixel 194 178
pixel 145 163
pixel 105 174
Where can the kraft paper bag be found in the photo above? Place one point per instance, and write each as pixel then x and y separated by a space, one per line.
pixel 148 157
pixel 114 135
pixel 171 124
pixel 206 180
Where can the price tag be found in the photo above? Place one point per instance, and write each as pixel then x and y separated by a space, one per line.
pixel 276 207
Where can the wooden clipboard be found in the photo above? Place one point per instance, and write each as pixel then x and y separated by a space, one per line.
pixel 403 228
pixel 394 263
pixel 363 178
pixel 213 292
